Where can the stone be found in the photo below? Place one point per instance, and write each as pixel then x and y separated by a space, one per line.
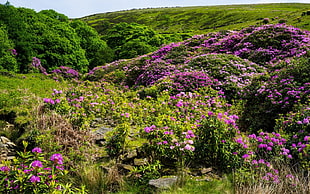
pixel 4 140
pixel 98 135
pixel 140 161
pixel 7 149
pixel 126 167
pixel 206 170
pixel 163 183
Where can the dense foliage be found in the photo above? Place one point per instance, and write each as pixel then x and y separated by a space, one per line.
pixel 132 40
pixel 236 101
pixel 52 38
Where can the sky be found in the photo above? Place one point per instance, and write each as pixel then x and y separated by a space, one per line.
pixel 80 8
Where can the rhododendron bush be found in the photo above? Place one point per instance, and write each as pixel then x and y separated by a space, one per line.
pixel 236 100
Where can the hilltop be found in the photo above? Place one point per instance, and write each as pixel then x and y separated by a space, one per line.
pixel 202 19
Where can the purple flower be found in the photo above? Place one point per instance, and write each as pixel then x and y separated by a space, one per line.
pixel 262 146
pixel 189 147
pixel 57 158
pixel 36 150
pixel 179 104
pixel 28 170
pixel 147 129
pixel 37 163
pixel 4 169
pixel 60 167
pixel 34 179
pixel 261 161
pixel 246 156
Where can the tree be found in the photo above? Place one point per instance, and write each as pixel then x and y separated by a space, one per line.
pixel 123 35
pixel 7 52
pixel 55 15
pixel 97 50
pixel 46 35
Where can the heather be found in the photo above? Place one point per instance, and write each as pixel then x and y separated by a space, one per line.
pixel 229 107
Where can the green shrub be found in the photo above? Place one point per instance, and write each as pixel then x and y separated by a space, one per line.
pixel 216 143
pixel 34 172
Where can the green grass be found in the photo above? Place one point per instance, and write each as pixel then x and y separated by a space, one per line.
pixel 224 186
pixel 20 96
pixel 202 19
pixel 18 89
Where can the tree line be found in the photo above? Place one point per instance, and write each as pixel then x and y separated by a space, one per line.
pixel 59 41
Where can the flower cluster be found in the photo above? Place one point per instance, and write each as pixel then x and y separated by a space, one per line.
pixel 13 52
pixel 66 72
pixel 36 63
pixel 170 143
pixel 263 44
pixel 32 175
pixel 185 82
pixel 51 101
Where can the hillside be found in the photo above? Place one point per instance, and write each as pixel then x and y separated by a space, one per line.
pixel 203 19
pixel 221 112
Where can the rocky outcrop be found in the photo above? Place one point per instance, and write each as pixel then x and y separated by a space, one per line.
pixel 163 183
pixel 7 149
pixel 99 135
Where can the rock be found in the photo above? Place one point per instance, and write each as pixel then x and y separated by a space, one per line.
pixel 7 149
pixel 125 167
pixel 4 140
pixel 129 155
pixel 98 135
pixel 163 183
pixel 132 154
pixel 140 161
pixel 206 170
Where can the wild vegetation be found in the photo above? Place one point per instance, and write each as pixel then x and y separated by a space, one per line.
pixel 224 112
pixel 203 19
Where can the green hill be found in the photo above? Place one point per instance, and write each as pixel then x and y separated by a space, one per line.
pixel 201 19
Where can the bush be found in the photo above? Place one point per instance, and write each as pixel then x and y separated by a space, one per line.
pixel 275 93
pixel 33 172
pixel 216 143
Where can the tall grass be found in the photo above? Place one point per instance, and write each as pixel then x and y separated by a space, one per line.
pixel 297 182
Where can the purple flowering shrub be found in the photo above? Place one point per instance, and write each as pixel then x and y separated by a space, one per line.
pixel 215 144
pixel 295 125
pixel 263 44
pixel 185 82
pixel 155 71
pixel 65 73
pixel 173 135
pixel 232 72
pixel 276 93
pixel 164 142
pixel 36 64
pixel 32 172
pixel 266 155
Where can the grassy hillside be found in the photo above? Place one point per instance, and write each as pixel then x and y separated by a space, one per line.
pixel 203 19
pixel 221 112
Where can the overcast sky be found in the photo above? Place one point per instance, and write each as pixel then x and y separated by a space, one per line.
pixel 80 8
